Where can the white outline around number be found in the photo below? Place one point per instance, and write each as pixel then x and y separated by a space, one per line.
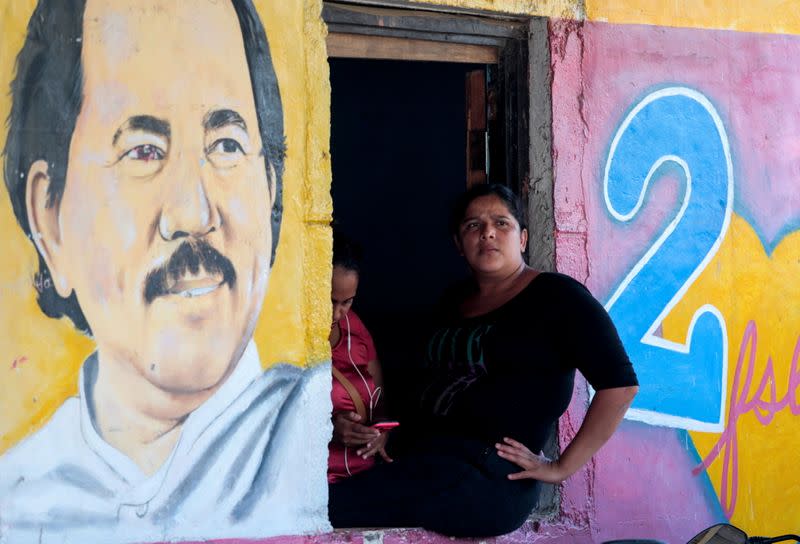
pixel 649 338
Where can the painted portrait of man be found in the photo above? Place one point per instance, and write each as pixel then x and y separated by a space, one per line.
pixel 144 160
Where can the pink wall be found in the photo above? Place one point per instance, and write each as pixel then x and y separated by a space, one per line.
pixel 642 481
pixel 752 80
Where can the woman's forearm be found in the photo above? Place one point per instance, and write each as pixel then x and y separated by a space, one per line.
pixel 603 417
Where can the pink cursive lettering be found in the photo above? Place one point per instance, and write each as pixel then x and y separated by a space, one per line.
pixel 763 404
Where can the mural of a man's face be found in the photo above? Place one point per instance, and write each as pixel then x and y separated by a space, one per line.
pixel 163 231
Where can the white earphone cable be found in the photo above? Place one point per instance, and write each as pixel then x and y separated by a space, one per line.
pixel 374 395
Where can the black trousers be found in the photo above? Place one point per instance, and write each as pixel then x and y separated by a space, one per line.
pixel 453 486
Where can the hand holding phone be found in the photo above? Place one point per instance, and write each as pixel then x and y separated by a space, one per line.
pixel 385 425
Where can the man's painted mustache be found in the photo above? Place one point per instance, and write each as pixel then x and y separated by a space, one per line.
pixel 190 256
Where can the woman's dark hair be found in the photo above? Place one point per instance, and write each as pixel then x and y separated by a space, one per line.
pixel 512 202
pixel 46 99
pixel 346 253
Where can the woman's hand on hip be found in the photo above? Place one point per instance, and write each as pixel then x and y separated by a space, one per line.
pixel 348 431
pixel 535 466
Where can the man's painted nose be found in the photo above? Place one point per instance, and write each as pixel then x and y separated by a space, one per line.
pixel 188 211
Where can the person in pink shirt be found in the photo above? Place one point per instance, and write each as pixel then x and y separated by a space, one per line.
pixel 357 380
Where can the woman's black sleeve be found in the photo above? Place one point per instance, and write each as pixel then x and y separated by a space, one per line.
pixel 588 336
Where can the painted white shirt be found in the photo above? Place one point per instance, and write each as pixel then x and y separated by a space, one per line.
pixel 250 462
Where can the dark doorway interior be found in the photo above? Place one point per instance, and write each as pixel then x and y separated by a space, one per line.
pixel 398 150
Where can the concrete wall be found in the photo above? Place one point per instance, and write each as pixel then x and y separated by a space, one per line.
pixel 41 357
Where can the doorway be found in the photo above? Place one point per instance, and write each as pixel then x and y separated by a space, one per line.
pixel 423 105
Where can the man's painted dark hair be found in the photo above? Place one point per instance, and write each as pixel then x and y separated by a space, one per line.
pixel 47 94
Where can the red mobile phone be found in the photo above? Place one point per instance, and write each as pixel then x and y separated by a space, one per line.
pixel 385 425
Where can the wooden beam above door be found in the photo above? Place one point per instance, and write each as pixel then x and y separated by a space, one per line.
pixel 364 46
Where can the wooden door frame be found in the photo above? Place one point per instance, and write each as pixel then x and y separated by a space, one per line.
pixel 522 160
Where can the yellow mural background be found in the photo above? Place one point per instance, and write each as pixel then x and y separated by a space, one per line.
pixel 768 16
pixel 568 9
pixel 746 284
pixel 40 357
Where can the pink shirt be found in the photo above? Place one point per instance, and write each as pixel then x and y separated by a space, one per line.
pixel 361 352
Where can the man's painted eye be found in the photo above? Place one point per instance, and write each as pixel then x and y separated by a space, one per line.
pixel 225 145
pixel 225 153
pixel 146 152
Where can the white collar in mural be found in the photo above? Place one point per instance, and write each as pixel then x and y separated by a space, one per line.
pixel 247 369
pixel 251 462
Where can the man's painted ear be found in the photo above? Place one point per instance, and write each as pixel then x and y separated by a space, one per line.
pixel 44 224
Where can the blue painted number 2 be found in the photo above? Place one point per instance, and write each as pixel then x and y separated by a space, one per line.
pixel 681 384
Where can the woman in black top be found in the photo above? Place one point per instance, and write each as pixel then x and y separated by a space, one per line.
pixel 499 373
